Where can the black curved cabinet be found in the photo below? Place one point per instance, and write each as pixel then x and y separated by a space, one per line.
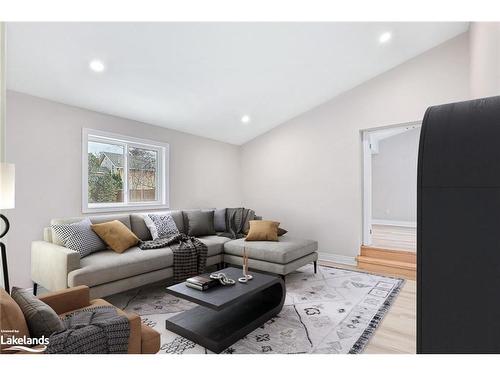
pixel 458 229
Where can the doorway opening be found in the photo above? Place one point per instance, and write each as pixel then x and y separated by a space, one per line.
pixel 390 194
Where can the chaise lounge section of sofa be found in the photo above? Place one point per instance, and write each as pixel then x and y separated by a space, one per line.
pixel 106 272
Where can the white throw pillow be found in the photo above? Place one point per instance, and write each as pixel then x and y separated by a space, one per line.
pixel 161 226
pixel 79 237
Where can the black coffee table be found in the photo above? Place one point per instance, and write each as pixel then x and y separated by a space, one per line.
pixel 227 313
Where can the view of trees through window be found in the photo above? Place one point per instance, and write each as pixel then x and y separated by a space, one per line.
pixel 142 166
pixel 106 173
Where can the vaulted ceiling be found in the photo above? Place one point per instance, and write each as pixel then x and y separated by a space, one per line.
pixel 202 78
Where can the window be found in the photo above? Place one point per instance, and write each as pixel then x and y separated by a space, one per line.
pixel 123 173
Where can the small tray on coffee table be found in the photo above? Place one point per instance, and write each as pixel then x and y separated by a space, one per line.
pixel 227 313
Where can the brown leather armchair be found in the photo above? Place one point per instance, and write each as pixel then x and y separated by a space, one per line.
pixel 143 339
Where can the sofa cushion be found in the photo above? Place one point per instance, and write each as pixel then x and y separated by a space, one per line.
pixel 124 218
pixel 220 220
pixel 141 230
pixel 199 223
pixel 12 322
pixel 282 232
pixel 116 235
pixel 161 226
pixel 276 268
pixel 263 230
pixel 215 244
pixel 79 237
pixel 106 266
pixel 283 251
pixel 42 320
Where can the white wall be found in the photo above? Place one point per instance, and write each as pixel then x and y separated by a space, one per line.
pixel 44 141
pixel 394 178
pixel 306 173
pixel 2 113
pixel 2 92
pixel 484 59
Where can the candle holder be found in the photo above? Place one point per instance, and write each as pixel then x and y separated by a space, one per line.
pixel 246 277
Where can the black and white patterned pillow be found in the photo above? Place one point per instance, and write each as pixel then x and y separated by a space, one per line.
pixel 79 237
pixel 161 226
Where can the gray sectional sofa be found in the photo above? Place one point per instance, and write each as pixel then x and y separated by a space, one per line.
pixel 106 272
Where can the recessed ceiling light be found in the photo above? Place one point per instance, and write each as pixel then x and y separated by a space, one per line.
pixel 385 37
pixel 97 66
pixel 245 119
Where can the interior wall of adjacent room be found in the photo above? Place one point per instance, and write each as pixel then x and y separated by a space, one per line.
pixel 44 140
pixel 394 178
pixel 307 172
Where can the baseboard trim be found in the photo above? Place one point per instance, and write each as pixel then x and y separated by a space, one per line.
pixel 337 258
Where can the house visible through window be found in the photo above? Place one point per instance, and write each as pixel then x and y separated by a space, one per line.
pixel 122 172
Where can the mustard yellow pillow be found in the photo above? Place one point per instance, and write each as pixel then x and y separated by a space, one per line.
pixel 263 230
pixel 116 235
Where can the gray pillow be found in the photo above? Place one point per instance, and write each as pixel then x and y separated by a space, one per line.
pixel 220 220
pixel 42 320
pixel 79 237
pixel 199 223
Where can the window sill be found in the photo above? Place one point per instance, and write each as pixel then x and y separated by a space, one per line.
pixel 144 207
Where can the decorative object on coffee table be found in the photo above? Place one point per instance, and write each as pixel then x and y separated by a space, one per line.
pixel 246 276
pixel 225 315
pixel 202 282
pixel 223 279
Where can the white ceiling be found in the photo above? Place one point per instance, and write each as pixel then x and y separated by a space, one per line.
pixel 201 78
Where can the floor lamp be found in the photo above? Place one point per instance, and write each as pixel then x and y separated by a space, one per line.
pixel 7 201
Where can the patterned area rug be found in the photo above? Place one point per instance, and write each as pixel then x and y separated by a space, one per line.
pixel 333 311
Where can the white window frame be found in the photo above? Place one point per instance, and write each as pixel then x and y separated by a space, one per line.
pixel 126 141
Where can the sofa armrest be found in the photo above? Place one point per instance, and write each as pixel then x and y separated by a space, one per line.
pixel 68 299
pixel 50 264
pixel 134 340
pixel 150 343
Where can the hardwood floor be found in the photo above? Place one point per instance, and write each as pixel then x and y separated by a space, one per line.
pixel 397 333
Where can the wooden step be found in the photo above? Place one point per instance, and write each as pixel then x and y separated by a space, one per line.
pixel 389 254
pixel 386 262
pixel 385 266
